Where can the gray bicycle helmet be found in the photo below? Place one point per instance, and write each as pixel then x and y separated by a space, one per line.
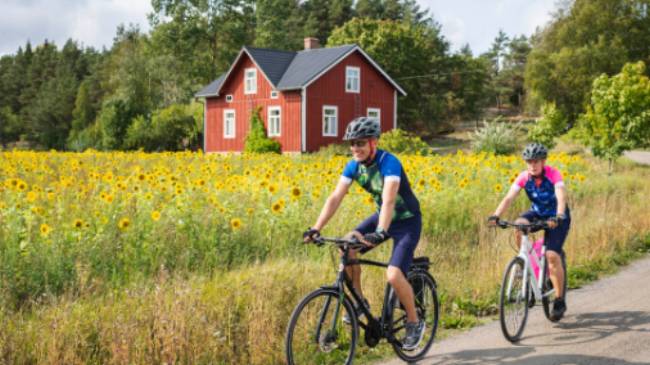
pixel 362 127
pixel 535 151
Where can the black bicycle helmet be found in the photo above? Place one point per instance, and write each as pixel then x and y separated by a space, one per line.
pixel 535 151
pixel 362 127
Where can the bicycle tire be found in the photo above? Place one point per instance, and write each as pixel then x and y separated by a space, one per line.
pixel 547 285
pixel 315 340
pixel 513 300
pixel 427 306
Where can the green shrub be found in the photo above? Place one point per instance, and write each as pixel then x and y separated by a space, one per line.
pixel 400 141
pixel 496 137
pixel 171 129
pixel 552 124
pixel 334 149
pixel 257 140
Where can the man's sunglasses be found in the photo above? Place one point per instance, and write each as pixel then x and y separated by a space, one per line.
pixel 358 143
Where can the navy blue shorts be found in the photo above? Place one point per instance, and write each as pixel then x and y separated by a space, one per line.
pixel 405 234
pixel 553 238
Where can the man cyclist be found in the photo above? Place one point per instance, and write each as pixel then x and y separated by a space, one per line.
pixel 380 174
pixel 545 189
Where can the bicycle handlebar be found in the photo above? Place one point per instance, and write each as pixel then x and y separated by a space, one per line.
pixel 523 227
pixel 353 243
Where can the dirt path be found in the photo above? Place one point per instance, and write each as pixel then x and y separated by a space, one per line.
pixel 607 322
pixel 639 156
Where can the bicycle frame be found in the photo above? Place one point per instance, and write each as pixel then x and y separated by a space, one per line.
pixel 529 275
pixel 377 326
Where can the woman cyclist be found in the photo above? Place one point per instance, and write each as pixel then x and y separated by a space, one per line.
pixel 545 189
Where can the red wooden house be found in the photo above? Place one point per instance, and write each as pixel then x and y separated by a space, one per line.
pixel 306 97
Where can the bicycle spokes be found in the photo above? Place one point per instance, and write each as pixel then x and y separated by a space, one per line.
pixel 317 334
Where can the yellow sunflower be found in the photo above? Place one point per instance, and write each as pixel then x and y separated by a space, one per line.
pixel 124 223
pixel 235 223
pixel 45 230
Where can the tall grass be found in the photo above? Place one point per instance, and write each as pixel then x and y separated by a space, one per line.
pixel 192 287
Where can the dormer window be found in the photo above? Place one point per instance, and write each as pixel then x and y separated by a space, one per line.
pixel 352 79
pixel 250 81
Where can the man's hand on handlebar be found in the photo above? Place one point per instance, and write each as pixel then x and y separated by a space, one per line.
pixel 310 235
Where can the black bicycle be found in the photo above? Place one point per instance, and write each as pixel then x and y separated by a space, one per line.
pixel 318 335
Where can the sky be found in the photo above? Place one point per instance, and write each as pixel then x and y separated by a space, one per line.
pixel 93 23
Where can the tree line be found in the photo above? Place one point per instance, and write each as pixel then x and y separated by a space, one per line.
pixel 139 93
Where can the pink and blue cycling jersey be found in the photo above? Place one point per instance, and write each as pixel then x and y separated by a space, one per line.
pixel 541 192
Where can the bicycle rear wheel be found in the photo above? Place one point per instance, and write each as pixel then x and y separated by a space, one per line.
pixel 316 332
pixel 513 301
pixel 427 307
pixel 547 285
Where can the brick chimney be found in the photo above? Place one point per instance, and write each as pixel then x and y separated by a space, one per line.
pixel 311 43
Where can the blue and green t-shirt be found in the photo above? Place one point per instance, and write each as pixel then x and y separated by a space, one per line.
pixel 385 167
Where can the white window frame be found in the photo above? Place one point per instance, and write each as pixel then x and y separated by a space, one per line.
pixel 273 132
pixel 335 127
pixel 349 80
pixel 274 94
pixel 229 98
pixel 226 121
pixel 374 110
pixel 252 87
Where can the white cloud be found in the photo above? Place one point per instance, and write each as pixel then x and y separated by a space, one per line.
pixel 90 22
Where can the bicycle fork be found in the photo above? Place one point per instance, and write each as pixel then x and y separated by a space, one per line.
pixel 332 334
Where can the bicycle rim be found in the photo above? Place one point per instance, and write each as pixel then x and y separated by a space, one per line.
pixel 427 307
pixel 513 301
pixel 314 336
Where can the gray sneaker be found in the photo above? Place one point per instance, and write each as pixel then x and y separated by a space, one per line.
pixel 346 319
pixel 414 334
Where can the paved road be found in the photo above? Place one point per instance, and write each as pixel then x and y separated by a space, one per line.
pixel 607 322
pixel 639 156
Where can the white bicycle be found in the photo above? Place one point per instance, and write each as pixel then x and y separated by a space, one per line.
pixel 526 280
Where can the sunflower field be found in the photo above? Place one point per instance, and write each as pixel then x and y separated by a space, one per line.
pixel 137 258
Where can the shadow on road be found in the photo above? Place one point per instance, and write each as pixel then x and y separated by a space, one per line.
pixel 513 356
pixel 588 327
pixel 582 328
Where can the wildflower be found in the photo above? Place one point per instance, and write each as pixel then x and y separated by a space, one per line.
pixel 31 196
pixel 295 192
pixel 78 223
pixel 45 230
pixel 235 223
pixel 277 207
pixel 124 223
pixel 155 215
pixel 498 188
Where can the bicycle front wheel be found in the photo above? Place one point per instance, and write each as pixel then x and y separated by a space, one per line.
pixel 427 307
pixel 513 303
pixel 317 333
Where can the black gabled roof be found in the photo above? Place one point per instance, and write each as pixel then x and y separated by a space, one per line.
pixel 287 70
pixel 309 63
pixel 273 63
pixel 211 89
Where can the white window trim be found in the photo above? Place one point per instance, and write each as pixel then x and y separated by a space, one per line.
pixel 225 123
pixel 279 132
pixel 336 122
pixel 229 98
pixel 358 89
pixel 274 94
pixel 377 110
pixel 253 90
